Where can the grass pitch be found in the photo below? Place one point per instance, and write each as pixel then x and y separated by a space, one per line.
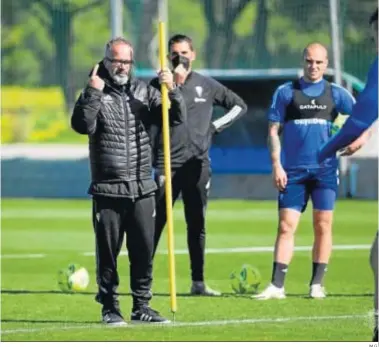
pixel 39 237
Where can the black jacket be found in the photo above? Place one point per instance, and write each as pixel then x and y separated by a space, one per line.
pixel 192 138
pixel 118 121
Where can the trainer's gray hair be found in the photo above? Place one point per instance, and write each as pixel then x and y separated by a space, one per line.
pixel 117 40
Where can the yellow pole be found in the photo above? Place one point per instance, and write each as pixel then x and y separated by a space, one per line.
pixel 167 165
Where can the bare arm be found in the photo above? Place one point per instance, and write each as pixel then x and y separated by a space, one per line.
pixel 278 174
pixel 357 144
pixel 274 144
pixel 366 135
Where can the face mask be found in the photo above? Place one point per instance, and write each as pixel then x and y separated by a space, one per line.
pixel 180 59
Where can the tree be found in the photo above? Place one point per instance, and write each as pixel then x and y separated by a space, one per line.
pixel 358 48
pixel 285 27
pixel 143 15
pixel 221 41
pixel 57 16
pixel 311 21
pixel 16 53
pixel 253 50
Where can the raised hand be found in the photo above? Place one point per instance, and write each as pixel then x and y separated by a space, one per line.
pixel 95 81
pixel 180 74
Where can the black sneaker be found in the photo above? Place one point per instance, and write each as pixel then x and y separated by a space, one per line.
pixel 146 314
pixel 112 316
pixel 375 336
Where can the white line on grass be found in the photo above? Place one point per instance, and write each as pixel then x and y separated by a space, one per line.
pixel 81 214
pixel 208 251
pixel 214 214
pixel 188 324
pixel 22 256
pixel 221 214
pixel 252 249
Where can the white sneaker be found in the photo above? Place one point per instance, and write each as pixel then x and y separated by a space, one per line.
pixel 271 292
pixel 317 291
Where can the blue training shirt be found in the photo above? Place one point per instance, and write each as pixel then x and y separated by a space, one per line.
pixel 302 139
pixel 364 113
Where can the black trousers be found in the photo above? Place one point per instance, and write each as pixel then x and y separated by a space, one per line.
pixel 112 218
pixel 192 180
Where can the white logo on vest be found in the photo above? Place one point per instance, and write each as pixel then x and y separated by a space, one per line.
pixel 313 106
pixel 199 92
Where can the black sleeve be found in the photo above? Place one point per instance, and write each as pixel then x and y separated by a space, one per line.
pixel 177 110
pixel 84 116
pixel 229 100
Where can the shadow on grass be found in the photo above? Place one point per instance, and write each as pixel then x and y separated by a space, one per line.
pixel 224 295
pixel 301 296
pixel 34 292
pixel 44 321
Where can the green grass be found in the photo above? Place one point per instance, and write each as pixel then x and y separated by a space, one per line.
pixel 33 308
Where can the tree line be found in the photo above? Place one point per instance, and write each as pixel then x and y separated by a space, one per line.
pixel 56 42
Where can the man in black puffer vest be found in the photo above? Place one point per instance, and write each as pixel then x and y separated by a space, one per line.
pixel 116 111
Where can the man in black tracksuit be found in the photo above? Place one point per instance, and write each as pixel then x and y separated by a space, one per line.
pixel 117 111
pixel 190 143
